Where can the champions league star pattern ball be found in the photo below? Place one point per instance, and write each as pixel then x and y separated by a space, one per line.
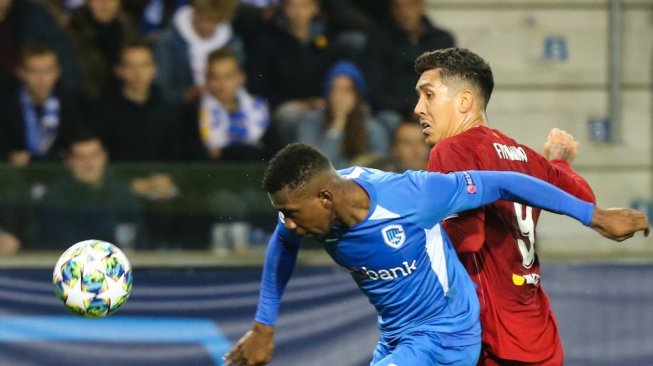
pixel 93 278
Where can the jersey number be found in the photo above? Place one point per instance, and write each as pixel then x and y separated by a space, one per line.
pixel 526 242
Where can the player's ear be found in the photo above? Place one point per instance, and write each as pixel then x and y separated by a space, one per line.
pixel 326 197
pixel 465 101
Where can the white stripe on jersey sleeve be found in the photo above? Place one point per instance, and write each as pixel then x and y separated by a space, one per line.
pixel 435 250
pixel 381 213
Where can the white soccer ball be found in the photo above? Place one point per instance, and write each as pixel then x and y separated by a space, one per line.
pixel 93 278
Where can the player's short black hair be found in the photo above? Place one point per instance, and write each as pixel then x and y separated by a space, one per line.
pixel 293 166
pixel 459 63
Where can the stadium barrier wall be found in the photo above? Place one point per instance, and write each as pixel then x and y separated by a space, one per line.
pixel 191 316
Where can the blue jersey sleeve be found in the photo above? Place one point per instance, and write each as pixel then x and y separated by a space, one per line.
pixel 443 195
pixel 534 192
pixel 279 264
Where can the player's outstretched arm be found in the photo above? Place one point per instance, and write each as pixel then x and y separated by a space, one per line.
pixel 254 348
pixel 619 224
pixel 257 345
pixel 463 191
pixel 616 224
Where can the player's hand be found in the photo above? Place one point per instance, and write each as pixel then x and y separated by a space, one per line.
pixel 253 349
pixel 619 224
pixel 560 145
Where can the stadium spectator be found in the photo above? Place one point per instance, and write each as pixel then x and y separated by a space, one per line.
pixel 519 326
pixel 90 202
pixel 385 229
pixel 23 22
pixel 365 15
pixel 151 16
pixel 290 62
pixel 344 131
pixel 98 30
pixel 352 21
pixel 252 20
pixel 37 115
pixel 182 49
pixel 134 121
pixel 347 15
pixel 408 150
pixel 229 123
pixel 391 51
pixel 61 9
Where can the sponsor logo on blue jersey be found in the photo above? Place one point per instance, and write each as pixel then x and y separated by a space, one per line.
pixel 385 274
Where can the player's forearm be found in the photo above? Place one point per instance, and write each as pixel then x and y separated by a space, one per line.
pixel 527 190
pixel 279 263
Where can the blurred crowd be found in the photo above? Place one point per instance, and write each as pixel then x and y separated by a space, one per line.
pixel 85 82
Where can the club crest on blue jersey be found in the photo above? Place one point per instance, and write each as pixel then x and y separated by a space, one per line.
pixel 394 235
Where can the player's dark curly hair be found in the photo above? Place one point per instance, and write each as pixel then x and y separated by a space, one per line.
pixel 461 64
pixel 292 166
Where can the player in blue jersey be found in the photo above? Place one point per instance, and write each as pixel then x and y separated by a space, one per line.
pixel 370 223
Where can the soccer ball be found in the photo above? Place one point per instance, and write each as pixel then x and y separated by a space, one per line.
pixel 93 278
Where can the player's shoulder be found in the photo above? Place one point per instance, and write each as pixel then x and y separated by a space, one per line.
pixel 382 181
pixel 486 137
pixel 363 172
pixel 506 140
pixel 467 141
pixel 508 153
pixel 464 151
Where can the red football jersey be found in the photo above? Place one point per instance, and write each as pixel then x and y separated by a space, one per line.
pixel 496 243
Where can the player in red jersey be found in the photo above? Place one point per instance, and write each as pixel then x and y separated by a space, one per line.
pixel 497 242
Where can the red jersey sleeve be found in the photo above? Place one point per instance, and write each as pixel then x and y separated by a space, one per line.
pixel 567 179
pixel 560 174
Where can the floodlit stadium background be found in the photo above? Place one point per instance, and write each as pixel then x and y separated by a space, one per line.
pixel 581 65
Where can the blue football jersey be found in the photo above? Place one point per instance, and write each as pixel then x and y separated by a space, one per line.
pixel 399 255
pixel 403 261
